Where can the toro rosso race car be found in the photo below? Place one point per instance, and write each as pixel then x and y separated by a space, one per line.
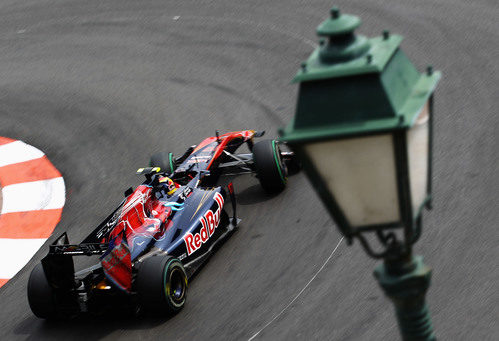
pixel 155 240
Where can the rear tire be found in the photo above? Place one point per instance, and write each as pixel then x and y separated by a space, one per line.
pixel 163 160
pixel 162 285
pixel 41 296
pixel 269 166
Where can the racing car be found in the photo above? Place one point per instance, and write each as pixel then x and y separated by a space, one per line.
pixel 152 244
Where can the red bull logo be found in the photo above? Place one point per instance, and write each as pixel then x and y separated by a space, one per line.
pixel 209 222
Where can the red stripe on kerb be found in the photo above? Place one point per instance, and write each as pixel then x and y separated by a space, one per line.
pixel 29 224
pixel 32 170
pixel 3 281
pixel 5 140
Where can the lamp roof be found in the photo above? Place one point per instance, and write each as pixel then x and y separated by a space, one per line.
pixel 353 84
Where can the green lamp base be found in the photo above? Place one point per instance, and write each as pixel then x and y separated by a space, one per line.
pixel 405 282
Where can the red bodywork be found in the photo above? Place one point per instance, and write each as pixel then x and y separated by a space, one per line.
pixel 225 139
pixel 143 215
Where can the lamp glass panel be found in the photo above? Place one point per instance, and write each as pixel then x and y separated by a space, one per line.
pixel 418 154
pixel 361 175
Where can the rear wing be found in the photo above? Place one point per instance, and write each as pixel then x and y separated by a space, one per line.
pixel 58 265
pixel 89 249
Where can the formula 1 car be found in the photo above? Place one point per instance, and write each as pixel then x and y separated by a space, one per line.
pixel 161 233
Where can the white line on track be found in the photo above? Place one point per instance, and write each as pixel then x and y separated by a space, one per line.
pixel 34 195
pixel 298 295
pixel 18 151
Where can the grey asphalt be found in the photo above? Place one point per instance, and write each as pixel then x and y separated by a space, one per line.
pixel 100 85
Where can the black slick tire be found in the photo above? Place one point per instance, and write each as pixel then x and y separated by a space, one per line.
pixel 269 166
pixel 41 296
pixel 161 285
pixel 163 160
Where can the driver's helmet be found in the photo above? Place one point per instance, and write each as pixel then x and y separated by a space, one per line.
pixel 169 183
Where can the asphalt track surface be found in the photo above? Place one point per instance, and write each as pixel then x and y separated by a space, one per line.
pixel 100 85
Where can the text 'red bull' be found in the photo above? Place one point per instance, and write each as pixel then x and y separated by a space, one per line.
pixel 209 222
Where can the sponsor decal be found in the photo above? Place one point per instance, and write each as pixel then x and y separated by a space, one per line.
pixel 106 229
pixel 199 159
pixel 117 266
pixel 186 193
pixel 81 249
pixel 209 222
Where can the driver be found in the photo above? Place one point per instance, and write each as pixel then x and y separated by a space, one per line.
pixel 170 185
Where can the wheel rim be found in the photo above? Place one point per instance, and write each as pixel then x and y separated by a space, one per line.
pixel 278 161
pixel 176 285
pixel 170 155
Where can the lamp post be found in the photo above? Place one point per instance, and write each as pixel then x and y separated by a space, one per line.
pixel 363 132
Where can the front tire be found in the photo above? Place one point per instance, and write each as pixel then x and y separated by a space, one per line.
pixel 269 166
pixel 162 285
pixel 163 160
pixel 41 296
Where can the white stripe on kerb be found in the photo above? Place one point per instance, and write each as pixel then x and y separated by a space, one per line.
pixel 34 195
pixel 18 151
pixel 16 253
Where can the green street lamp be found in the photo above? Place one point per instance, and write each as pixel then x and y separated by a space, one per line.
pixel 363 132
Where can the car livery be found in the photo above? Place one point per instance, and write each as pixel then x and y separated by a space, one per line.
pixel 158 237
pixel 209 222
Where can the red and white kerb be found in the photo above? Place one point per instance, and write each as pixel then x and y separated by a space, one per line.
pixel 33 194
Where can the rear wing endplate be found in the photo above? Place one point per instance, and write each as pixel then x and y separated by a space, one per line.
pixel 58 265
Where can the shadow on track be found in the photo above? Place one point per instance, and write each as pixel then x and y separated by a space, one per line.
pixel 253 195
pixel 89 326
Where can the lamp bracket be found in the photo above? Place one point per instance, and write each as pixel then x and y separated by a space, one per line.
pixel 393 248
pixel 369 250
